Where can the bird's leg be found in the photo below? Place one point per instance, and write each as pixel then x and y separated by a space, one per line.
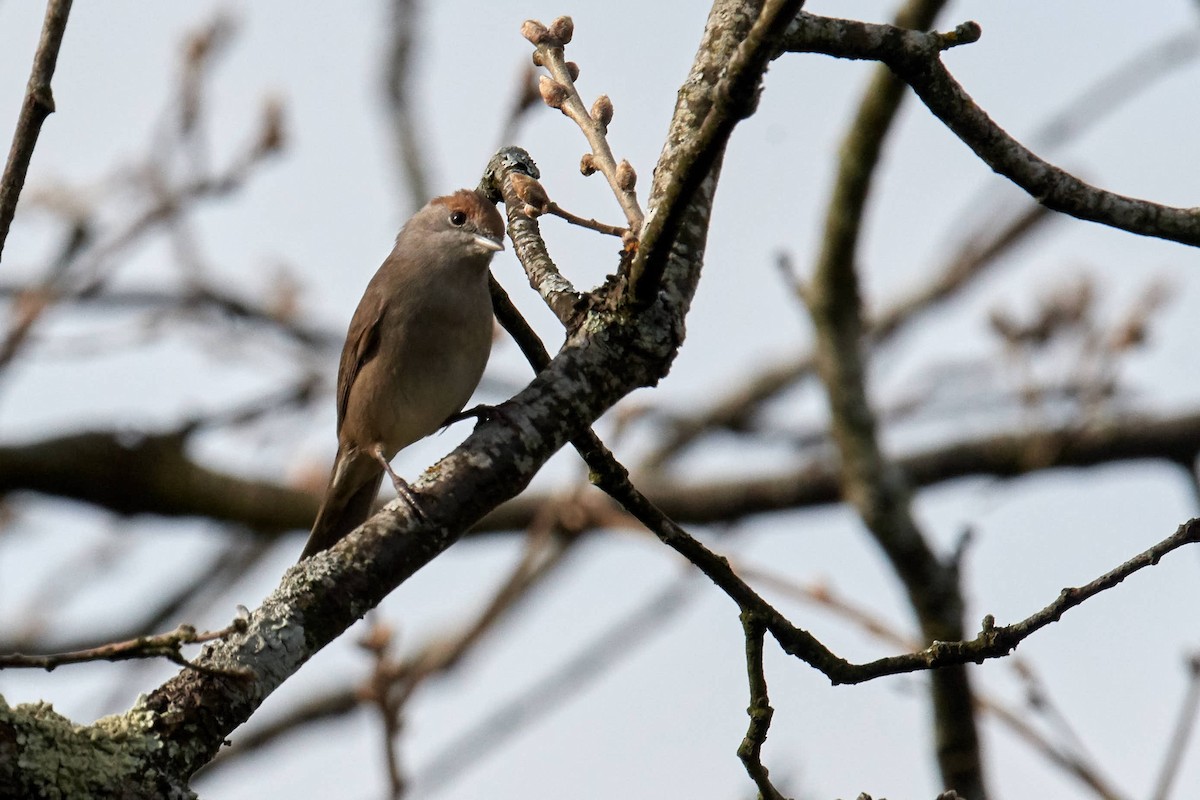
pixel 399 483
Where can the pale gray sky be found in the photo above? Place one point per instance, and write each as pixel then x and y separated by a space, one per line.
pixel 667 719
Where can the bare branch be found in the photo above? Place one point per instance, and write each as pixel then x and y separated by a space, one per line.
pixel 870 480
pixel 760 711
pixel 915 58
pixel 544 276
pixel 167 645
pixel 595 225
pixel 192 299
pixel 993 642
pixel 65 467
pixel 559 92
pixel 38 104
pixel 408 148
pixel 1017 721
pixel 209 581
pixel 736 410
pixel 132 473
pixel 1184 725
pixel 732 99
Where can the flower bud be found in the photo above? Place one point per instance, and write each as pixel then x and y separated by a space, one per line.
pixel 553 92
pixel 562 29
pixel 602 110
pixel 573 70
pixel 587 164
pixel 626 177
pixel 535 32
pixel 530 192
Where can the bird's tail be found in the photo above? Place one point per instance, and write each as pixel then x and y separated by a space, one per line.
pixel 347 504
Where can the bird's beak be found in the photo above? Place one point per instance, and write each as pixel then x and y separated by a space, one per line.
pixel 488 244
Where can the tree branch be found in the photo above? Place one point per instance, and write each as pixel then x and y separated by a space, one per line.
pixel 737 409
pixel 871 481
pixel 713 117
pixel 560 92
pixel 407 145
pixel 134 473
pixel 544 276
pixel 166 645
pixel 760 711
pixel 38 104
pixel 65 467
pixel 915 58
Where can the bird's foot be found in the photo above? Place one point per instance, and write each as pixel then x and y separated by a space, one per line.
pixel 400 485
pixel 481 412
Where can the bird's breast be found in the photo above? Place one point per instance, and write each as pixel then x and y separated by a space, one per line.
pixel 425 369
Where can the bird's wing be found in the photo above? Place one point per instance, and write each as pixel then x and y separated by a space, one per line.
pixel 362 342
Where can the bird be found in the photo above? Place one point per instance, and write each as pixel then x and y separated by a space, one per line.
pixel 415 352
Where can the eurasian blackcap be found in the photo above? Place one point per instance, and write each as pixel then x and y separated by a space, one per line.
pixel 415 352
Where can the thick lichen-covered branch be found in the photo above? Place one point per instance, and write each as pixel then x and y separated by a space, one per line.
pixel 712 109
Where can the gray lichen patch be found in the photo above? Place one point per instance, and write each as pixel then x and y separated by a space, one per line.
pixel 44 754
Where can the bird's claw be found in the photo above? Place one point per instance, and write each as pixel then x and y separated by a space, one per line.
pixel 481 412
pixel 400 485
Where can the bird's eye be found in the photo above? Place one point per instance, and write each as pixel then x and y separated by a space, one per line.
pixel 458 218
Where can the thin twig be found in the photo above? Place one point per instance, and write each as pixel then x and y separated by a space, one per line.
pixel 600 227
pixel 38 104
pixel 1071 760
pixel 191 299
pixel 410 153
pixel 525 98
pixel 376 690
pixel 760 711
pixel 612 477
pixel 32 302
pixel 79 574
pixel 549 44
pixel 993 641
pixel 167 645
pixel 1184 725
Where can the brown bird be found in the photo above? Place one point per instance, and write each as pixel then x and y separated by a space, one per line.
pixel 416 349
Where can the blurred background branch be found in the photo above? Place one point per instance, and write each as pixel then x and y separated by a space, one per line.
pixel 1051 379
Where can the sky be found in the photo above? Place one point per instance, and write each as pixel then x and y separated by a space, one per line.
pixel 667 717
